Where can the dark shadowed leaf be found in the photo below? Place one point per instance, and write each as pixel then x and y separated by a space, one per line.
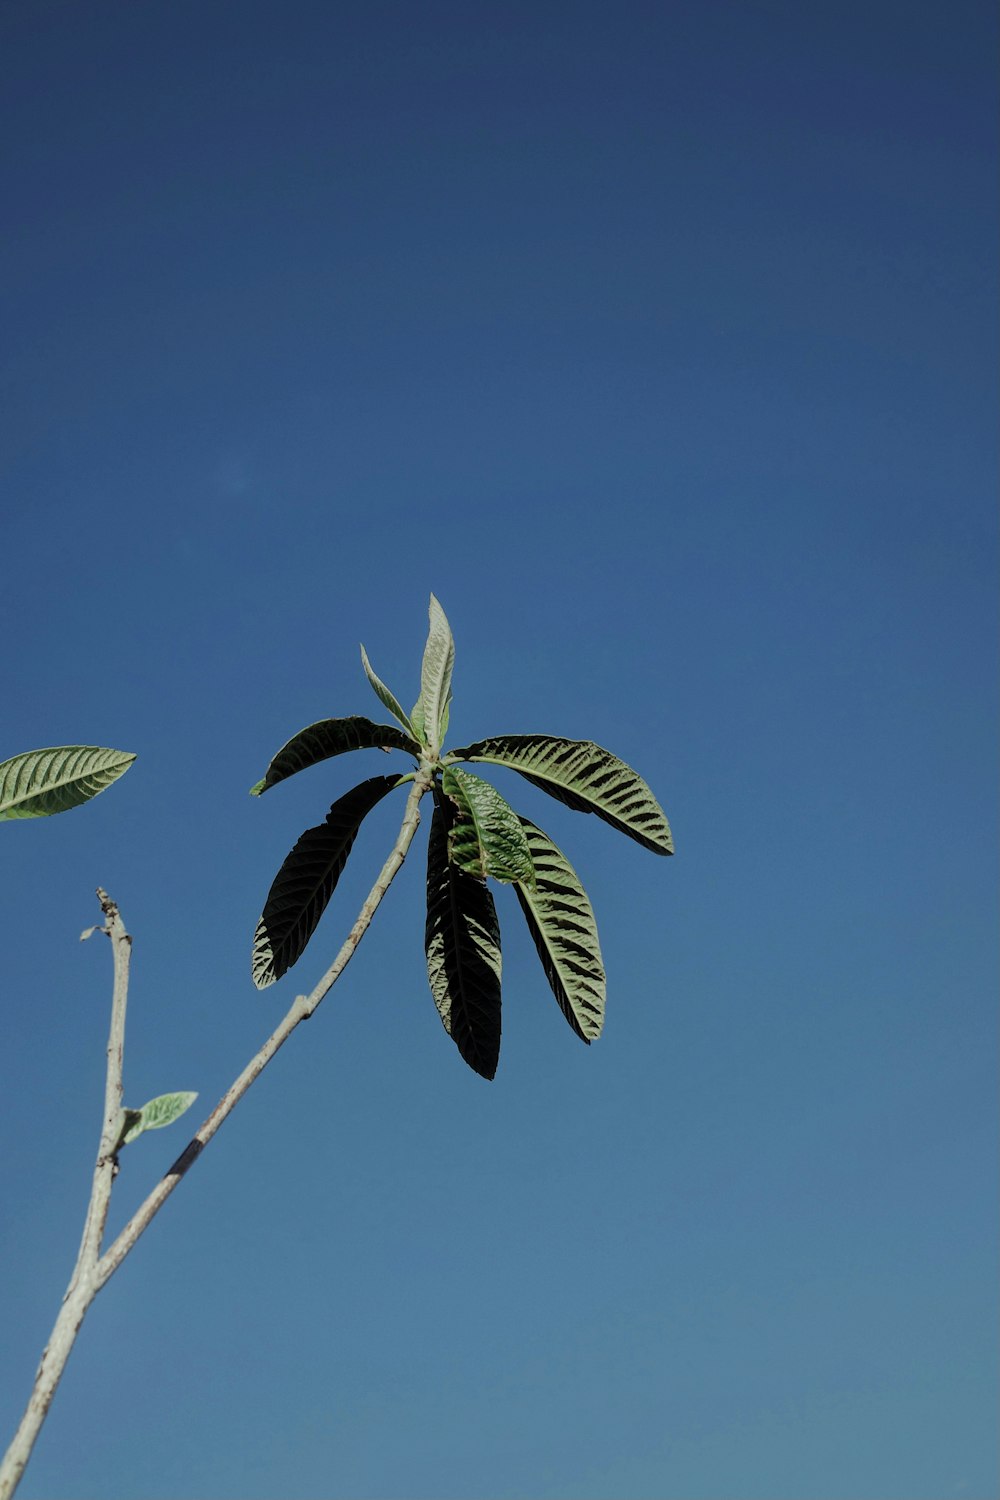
pixel 583 776
pixel 303 886
pixel 462 942
pixel 562 926
pixel 331 737
pixel 42 782
pixel 486 837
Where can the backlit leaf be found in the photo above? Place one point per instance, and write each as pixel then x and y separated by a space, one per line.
pixel 163 1110
pixel 583 776
pixel 435 677
pixel 42 782
pixel 486 837
pixel 417 721
pixel 388 698
pixel 562 926
pixel 445 717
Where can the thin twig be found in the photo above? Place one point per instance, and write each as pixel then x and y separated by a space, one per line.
pixel 92 1270
pixel 302 1007
pixel 83 1285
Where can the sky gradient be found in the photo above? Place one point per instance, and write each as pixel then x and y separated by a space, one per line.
pixel 658 342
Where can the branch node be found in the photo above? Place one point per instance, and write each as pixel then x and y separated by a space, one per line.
pixel 109 907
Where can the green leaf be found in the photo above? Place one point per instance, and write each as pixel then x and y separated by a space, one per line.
pixel 161 1111
pixel 42 782
pixel 584 777
pixel 303 886
pixel 445 718
pixel 331 737
pixel 417 721
pixel 388 698
pixel 561 921
pixel 462 942
pixel 486 837
pixel 435 677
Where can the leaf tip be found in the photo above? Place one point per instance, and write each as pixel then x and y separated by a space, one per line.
pixel 436 612
pixel 262 966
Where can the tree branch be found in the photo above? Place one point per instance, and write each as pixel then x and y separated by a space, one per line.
pixel 84 1284
pixel 92 1270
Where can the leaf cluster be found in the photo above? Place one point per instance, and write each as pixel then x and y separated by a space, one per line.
pixel 475 837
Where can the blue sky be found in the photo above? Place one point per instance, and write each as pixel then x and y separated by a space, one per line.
pixel 657 341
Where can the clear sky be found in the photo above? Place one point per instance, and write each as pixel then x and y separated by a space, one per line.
pixel 657 341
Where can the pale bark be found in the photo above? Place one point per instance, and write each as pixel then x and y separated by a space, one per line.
pixel 92 1269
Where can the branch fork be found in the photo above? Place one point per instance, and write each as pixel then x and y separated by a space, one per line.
pixel 93 1269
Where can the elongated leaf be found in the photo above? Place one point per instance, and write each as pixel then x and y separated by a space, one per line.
pixel 417 721
pixel 583 776
pixel 303 886
pixel 331 737
pixel 486 837
pixel 462 942
pixel 435 678
pixel 161 1111
pixel 561 921
pixel 388 698
pixel 42 782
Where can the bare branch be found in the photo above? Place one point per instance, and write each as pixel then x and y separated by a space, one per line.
pixel 93 1270
pixel 84 1284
